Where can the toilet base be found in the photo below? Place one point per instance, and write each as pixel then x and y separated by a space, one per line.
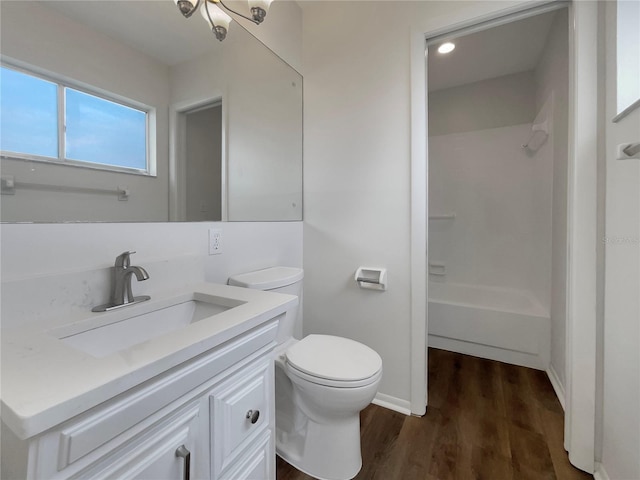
pixel 323 451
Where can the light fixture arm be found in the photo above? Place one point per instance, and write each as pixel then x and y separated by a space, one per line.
pixel 254 20
pixel 219 31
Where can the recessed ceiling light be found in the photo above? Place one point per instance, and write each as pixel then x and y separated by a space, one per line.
pixel 446 47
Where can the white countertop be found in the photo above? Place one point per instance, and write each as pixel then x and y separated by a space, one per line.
pixel 46 382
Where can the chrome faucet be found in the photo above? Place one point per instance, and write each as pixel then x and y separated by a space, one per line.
pixel 122 294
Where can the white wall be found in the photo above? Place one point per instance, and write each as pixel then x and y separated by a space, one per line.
pixel 621 397
pixel 357 168
pixel 55 272
pixel 31 34
pixel 492 103
pixel 281 30
pixel 199 78
pixel 552 79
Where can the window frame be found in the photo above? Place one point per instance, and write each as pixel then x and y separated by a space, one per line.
pixel 61 85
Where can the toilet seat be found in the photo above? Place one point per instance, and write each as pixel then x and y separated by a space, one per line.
pixel 292 371
pixel 333 361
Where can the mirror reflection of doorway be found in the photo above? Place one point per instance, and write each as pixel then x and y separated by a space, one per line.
pixel 203 167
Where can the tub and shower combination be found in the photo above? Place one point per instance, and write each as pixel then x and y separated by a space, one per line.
pixel 497 215
pixel 490 243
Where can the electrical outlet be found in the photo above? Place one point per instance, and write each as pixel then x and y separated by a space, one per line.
pixel 215 241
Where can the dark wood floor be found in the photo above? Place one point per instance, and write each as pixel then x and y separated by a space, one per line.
pixel 485 420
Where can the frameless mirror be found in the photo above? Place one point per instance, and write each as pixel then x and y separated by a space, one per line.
pixel 221 135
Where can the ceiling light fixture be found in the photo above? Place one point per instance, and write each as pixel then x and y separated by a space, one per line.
pixel 218 20
pixel 446 47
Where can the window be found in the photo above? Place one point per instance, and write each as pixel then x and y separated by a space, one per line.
pixel 105 132
pixel 29 114
pixel 41 119
pixel 628 54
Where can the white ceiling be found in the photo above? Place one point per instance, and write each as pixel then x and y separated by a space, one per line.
pixel 154 27
pixel 503 50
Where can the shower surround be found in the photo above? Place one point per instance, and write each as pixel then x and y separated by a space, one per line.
pixel 490 264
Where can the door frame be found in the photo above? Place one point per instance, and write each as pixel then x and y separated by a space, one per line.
pixel 582 222
pixel 177 149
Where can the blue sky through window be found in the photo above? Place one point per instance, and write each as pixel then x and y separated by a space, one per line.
pixel 28 114
pixel 97 130
pixel 100 131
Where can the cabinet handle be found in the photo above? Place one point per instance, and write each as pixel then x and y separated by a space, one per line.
pixel 186 454
pixel 253 415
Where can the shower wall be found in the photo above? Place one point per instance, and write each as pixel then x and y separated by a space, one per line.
pixel 552 81
pixel 496 102
pixel 500 194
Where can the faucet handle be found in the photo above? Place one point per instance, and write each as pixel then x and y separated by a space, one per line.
pixel 123 259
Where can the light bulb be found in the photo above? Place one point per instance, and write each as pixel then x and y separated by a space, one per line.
pixel 263 4
pixel 259 9
pixel 220 19
pixel 186 7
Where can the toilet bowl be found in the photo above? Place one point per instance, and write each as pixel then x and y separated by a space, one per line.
pixel 322 384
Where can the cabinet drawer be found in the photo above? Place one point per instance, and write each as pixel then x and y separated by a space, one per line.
pixel 258 463
pixel 102 424
pixel 240 410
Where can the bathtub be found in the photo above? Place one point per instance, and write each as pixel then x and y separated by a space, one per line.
pixel 501 324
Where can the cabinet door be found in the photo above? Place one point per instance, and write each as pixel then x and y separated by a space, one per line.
pixel 172 459
pixel 154 455
pixel 241 410
pixel 257 464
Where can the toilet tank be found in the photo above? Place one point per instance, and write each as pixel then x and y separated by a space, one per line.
pixel 280 280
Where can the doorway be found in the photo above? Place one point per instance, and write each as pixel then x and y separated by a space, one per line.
pixel 582 222
pixel 498 157
pixel 197 167
pixel 203 159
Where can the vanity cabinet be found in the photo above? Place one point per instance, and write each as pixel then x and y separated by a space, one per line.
pixel 210 417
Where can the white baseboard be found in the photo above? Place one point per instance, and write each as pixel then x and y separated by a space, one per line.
pixel 513 357
pixel 556 384
pixel 393 403
pixel 600 473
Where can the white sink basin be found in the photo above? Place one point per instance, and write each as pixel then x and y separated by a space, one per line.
pixel 121 330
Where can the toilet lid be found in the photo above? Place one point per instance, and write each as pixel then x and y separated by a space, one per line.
pixel 334 358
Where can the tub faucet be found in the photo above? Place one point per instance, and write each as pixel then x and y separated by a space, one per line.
pixel 122 294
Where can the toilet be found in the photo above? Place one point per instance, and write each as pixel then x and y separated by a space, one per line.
pixel 322 384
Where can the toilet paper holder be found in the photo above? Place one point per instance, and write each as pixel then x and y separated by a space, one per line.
pixel 371 278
